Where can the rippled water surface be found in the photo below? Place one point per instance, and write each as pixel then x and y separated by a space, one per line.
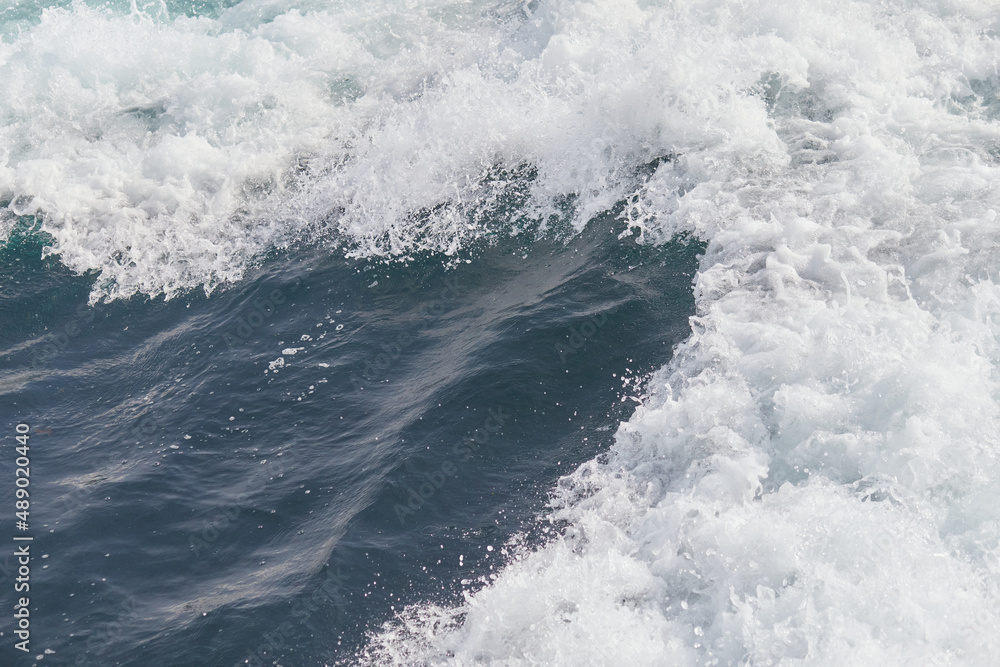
pixel 564 332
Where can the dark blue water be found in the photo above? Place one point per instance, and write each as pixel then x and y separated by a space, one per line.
pixel 202 496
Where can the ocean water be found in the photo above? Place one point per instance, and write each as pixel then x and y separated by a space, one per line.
pixel 501 333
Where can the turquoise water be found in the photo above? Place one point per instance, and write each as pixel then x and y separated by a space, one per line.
pixel 19 17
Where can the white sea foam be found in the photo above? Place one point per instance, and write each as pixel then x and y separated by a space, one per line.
pixel 148 145
pixel 813 478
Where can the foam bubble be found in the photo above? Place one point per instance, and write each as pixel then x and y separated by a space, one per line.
pixel 813 476
pixel 148 144
pixel 809 480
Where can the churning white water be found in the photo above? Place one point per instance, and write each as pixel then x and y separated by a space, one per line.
pixel 814 478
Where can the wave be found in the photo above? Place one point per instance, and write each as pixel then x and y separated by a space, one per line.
pixel 812 478
pixel 809 480
pixel 166 152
